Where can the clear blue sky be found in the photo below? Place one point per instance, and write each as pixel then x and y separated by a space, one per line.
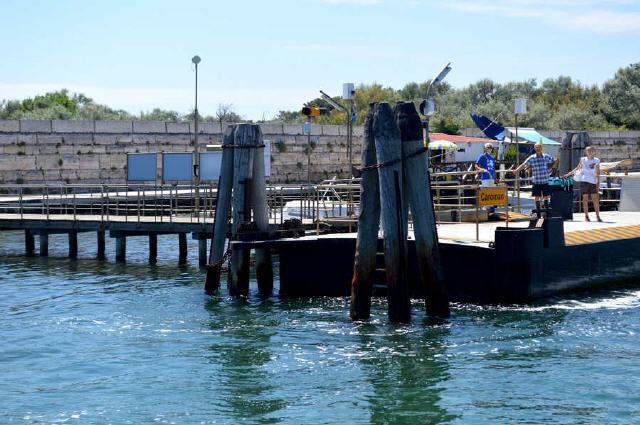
pixel 263 56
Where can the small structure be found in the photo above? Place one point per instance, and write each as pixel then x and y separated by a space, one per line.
pixel 469 148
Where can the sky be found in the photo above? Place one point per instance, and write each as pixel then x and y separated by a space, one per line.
pixel 265 56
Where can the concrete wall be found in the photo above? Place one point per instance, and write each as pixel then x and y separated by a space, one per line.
pixel 95 151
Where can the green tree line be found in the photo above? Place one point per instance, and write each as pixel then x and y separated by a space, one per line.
pixel 557 103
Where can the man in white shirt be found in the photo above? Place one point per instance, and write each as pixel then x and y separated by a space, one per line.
pixel 588 174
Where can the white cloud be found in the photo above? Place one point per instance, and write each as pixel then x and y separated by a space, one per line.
pixel 603 16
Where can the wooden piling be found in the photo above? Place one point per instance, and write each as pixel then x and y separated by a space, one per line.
pixel 364 265
pixel 417 190
pixel 44 244
pixel 153 248
pixel 121 249
pixel 264 267
pixel 244 146
pixel 29 243
pixel 221 220
pixel 182 248
pixel 202 252
pixel 101 244
pixel 389 149
pixel 73 244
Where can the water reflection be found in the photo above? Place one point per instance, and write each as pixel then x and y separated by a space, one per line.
pixel 407 371
pixel 242 337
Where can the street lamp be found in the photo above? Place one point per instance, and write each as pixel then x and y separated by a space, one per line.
pixel 196 165
pixel 427 106
pixel 520 107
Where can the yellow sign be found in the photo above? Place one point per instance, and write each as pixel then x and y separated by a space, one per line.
pixel 492 196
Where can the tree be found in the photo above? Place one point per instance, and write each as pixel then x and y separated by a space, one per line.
pixel 622 97
pixel 225 113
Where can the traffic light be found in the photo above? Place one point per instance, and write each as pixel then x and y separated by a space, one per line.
pixel 314 111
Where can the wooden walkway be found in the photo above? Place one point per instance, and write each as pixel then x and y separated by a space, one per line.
pixel 601 235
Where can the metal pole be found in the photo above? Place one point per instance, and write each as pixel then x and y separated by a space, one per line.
pixel 517 164
pixel 195 148
pixel 309 154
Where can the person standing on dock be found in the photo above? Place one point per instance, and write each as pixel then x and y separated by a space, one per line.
pixel 540 163
pixel 588 174
pixel 487 164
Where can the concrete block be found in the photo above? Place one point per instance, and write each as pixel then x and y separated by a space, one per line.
pixel 292 129
pixel 114 126
pixel 331 130
pixel 149 127
pixel 358 131
pixel 88 163
pixel 26 139
pixel 210 127
pixel 9 126
pixel 106 139
pixel 21 162
pixel 8 139
pixel 180 127
pixel 271 128
pixel 49 139
pixel 72 126
pixel 35 126
pixel 12 149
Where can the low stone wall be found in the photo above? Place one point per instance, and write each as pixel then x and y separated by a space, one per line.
pixel 96 151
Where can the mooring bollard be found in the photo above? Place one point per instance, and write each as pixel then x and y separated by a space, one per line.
pixel 364 265
pixel 389 151
pixel 221 220
pixel 417 190
pixel 244 145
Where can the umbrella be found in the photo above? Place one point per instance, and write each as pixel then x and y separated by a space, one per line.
pixel 444 145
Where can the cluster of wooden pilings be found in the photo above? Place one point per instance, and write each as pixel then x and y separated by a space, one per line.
pixel 395 179
pixel 241 190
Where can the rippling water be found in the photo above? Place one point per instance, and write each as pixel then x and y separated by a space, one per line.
pixel 94 342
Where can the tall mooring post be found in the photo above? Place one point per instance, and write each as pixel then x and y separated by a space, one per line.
pixel 389 152
pixel 222 209
pixel 264 267
pixel 364 266
pixel 417 190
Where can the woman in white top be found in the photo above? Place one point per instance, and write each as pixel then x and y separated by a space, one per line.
pixel 588 174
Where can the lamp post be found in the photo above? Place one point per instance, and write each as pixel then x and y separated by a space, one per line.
pixel 427 106
pixel 196 166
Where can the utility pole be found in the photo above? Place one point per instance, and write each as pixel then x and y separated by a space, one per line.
pixel 196 166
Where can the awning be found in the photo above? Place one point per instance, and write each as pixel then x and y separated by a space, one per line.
pixel 530 135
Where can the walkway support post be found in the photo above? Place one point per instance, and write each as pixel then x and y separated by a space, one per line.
pixel 417 190
pixel 202 252
pixel 44 244
pixel 221 220
pixel 121 249
pixel 73 244
pixel 182 248
pixel 153 248
pixel 389 149
pixel 101 244
pixel 29 243
pixel 364 265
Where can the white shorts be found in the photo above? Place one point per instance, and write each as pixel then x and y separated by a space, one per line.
pixel 487 183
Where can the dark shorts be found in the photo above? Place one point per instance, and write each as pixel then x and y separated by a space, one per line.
pixel 588 188
pixel 541 189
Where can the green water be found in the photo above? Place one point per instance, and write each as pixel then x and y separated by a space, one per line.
pixel 89 342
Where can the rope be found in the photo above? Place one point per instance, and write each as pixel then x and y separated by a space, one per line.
pixel 393 161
